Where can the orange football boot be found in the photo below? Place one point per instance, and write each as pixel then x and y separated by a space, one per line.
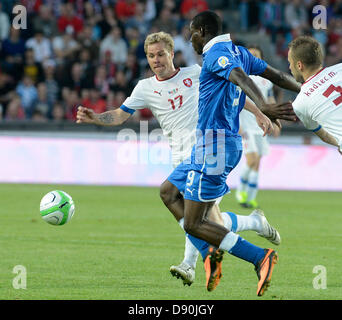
pixel 264 270
pixel 213 267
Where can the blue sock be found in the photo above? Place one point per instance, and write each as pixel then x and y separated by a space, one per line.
pixel 200 245
pixel 241 248
pixel 247 251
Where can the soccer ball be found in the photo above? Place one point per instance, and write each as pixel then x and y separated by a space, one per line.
pixel 57 207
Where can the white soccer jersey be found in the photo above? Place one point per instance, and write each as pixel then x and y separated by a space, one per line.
pixel 319 103
pixel 174 103
pixel 247 119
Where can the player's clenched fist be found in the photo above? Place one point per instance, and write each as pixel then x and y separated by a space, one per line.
pixel 85 115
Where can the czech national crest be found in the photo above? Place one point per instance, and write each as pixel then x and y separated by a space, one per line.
pixel 187 82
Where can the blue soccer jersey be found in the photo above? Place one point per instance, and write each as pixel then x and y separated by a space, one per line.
pixel 218 146
pixel 220 101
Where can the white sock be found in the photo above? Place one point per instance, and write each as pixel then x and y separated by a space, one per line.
pixel 229 241
pixel 227 221
pixel 252 189
pixel 238 223
pixel 244 178
pixel 246 223
pixel 190 252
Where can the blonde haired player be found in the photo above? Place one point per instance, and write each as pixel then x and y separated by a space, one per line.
pixel 319 103
pixel 172 96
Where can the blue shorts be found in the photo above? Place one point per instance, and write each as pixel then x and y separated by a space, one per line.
pixel 197 181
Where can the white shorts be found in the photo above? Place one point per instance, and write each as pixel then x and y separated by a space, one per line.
pixel 255 143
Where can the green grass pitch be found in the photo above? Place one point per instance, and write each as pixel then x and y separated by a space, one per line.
pixel 122 241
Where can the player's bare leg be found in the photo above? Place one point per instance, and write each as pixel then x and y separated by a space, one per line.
pixel 215 214
pixel 172 199
pixel 197 224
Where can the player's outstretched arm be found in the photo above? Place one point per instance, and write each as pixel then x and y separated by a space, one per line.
pixel 108 118
pixel 328 138
pixel 281 79
pixel 262 120
pixel 276 123
pixel 273 111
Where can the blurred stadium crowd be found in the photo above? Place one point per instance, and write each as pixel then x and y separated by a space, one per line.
pixel 91 52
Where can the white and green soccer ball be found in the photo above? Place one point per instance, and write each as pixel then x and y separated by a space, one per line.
pixel 57 207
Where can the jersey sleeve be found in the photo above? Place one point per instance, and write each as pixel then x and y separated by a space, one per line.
pixel 222 62
pixel 136 100
pixel 257 66
pixel 300 110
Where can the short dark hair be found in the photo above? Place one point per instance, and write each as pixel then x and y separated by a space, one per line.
pixel 257 47
pixel 307 50
pixel 209 21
